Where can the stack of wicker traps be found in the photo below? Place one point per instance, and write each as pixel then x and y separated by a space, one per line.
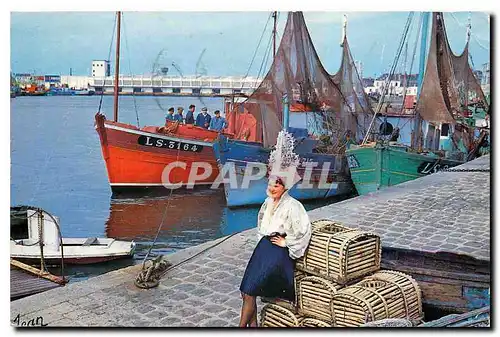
pixel 338 284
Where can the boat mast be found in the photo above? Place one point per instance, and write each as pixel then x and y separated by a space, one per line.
pixel 286 112
pixel 421 70
pixel 275 14
pixel 117 66
pixel 467 39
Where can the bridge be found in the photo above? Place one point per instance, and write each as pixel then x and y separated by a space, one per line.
pixel 175 85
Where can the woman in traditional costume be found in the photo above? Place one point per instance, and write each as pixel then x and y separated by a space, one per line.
pixel 284 231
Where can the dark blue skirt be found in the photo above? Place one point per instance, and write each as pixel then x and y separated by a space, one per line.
pixel 269 272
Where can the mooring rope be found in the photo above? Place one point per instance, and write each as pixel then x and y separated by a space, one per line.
pixel 150 277
pixel 144 278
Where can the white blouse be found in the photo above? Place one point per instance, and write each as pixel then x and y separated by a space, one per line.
pixel 289 217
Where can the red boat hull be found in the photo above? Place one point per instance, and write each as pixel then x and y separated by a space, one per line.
pixel 148 157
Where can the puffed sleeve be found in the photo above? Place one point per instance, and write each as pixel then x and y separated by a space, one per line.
pixel 298 233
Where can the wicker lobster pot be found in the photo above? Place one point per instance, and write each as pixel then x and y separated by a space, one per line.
pixel 314 323
pixel 373 299
pixel 314 296
pixel 275 316
pixel 340 254
pixel 413 294
pixel 298 275
pixel 325 223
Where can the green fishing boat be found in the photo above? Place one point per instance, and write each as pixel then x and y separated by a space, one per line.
pixel 374 166
pixel 445 133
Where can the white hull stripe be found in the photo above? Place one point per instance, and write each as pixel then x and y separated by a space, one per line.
pixel 156 135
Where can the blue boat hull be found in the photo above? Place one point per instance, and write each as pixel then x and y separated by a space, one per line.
pixel 241 154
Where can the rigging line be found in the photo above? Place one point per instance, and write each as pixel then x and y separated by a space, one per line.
pixel 471 32
pixel 109 58
pixel 130 70
pixel 387 81
pixel 256 50
pixel 264 60
pixel 411 63
pixel 479 43
pixel 456 20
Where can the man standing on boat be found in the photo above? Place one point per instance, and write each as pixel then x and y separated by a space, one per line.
pixel 218 123
pixel 170 115
pixel 178 117
pixel 190 115
pixel 203 119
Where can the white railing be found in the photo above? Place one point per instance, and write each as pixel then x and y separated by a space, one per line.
pixel 144 81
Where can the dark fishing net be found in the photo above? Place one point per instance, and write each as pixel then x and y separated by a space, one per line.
pixel 297 72
pixel 356 108
pixel 449 83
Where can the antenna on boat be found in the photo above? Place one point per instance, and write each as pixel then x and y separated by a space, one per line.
pixel 275 14
pixel 469 27
pixel 344 30
pixel 117 66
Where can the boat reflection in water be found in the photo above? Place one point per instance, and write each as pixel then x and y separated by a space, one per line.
pixel 192 217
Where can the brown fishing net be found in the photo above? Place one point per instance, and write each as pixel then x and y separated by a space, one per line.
pixel 448 81
pixel 297 72
pixel 357 108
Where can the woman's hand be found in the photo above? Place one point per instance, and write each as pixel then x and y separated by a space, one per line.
pixel 278 241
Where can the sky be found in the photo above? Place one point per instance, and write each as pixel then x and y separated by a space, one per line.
pixel 217 43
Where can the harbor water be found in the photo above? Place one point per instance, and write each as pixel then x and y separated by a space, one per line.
pixel 57 164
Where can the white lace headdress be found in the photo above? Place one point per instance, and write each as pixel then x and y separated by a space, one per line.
pixel 283 162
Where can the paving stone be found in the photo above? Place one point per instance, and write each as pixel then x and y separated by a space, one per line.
pixel 204 270
pixel 215 323
pixel 185 287
pixel 234 303
pixel 213 308
pixel 179 296
pixel 219 298
pixel 145 309
pixel 197 278
pixel 448 246
pixel 229 315
pixel 201 291
pixel 186 312
pixel 190 266
pixel 183 275
pixel 157 314
pixel 199 317
pixel 225 288
pixel 194 302
pixel 169 321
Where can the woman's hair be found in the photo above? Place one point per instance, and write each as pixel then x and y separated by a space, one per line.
pixel 278 180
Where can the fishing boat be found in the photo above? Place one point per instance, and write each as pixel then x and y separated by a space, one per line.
pixel 33 89
pixel 330 117
pixel 83 92
pixel 35 236
pixel 443 132
pixel 154 156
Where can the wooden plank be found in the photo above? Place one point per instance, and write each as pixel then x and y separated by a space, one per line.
pixel 439 273
pixel 450 320
pixel 37 272
pixel 23 284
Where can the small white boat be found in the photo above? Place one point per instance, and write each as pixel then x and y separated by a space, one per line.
pixel 31 226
